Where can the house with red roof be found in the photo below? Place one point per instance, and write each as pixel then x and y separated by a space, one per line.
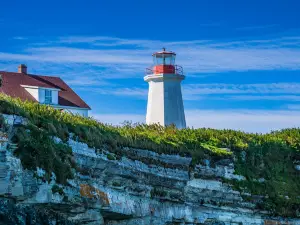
pixel 47 90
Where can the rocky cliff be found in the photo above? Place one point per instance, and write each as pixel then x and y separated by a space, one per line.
pixel 139 187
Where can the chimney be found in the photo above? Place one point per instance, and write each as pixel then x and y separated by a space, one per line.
pixel 22 69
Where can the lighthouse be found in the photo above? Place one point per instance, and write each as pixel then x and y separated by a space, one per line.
pixel 165 105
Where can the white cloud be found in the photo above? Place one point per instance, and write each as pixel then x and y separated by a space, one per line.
pixel 85 81
pixel 293 106
pixel 19 38
pixel 263 88
pixel 133 92
pixel 246 120
pixel 243 92
pixel 257 27
pixel 266 91
pixel 261 97
pixel 131 56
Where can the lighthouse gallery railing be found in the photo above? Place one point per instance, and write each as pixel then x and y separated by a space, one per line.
pixel 178 70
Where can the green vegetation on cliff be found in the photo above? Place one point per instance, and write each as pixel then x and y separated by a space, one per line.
pixel 266 160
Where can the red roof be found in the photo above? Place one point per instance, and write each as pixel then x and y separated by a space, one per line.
pixel 11 85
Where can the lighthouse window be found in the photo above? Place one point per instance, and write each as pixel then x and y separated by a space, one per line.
pixel 172 60
pixel 154 60
pixel 159 61
pixel 165 60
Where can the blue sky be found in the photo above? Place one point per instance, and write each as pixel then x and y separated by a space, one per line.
pixel 242 60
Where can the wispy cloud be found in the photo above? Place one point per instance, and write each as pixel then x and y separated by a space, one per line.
pixel 257 27
pixel 133 55
pixel 264 88
pixel 293 106
pixel 243 92
pixel 261 97
pixel 19 38
pixel 139 93
pixel 86 81
pixel 245 120
pixel 239 92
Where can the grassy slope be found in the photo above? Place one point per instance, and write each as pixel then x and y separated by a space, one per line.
pixel 269 156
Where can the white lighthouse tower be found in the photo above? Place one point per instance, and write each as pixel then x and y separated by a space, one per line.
pixel 165 105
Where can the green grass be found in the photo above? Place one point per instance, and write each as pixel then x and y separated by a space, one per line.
pixel 269 156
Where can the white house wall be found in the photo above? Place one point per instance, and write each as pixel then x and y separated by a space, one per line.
pixel 34 92
pixel 54 97
pixel 41 95
pixel 75 111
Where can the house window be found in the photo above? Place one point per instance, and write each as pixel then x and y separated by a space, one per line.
pixel 48 96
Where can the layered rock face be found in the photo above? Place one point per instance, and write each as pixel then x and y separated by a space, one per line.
pixel 142 187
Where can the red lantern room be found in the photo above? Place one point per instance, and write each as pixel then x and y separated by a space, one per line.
pixel 164 62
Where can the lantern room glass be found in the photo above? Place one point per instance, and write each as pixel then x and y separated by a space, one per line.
pixel 164 59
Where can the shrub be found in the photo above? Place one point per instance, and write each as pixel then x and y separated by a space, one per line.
pixel 110 157
pixel 37 149
pixel 56 189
